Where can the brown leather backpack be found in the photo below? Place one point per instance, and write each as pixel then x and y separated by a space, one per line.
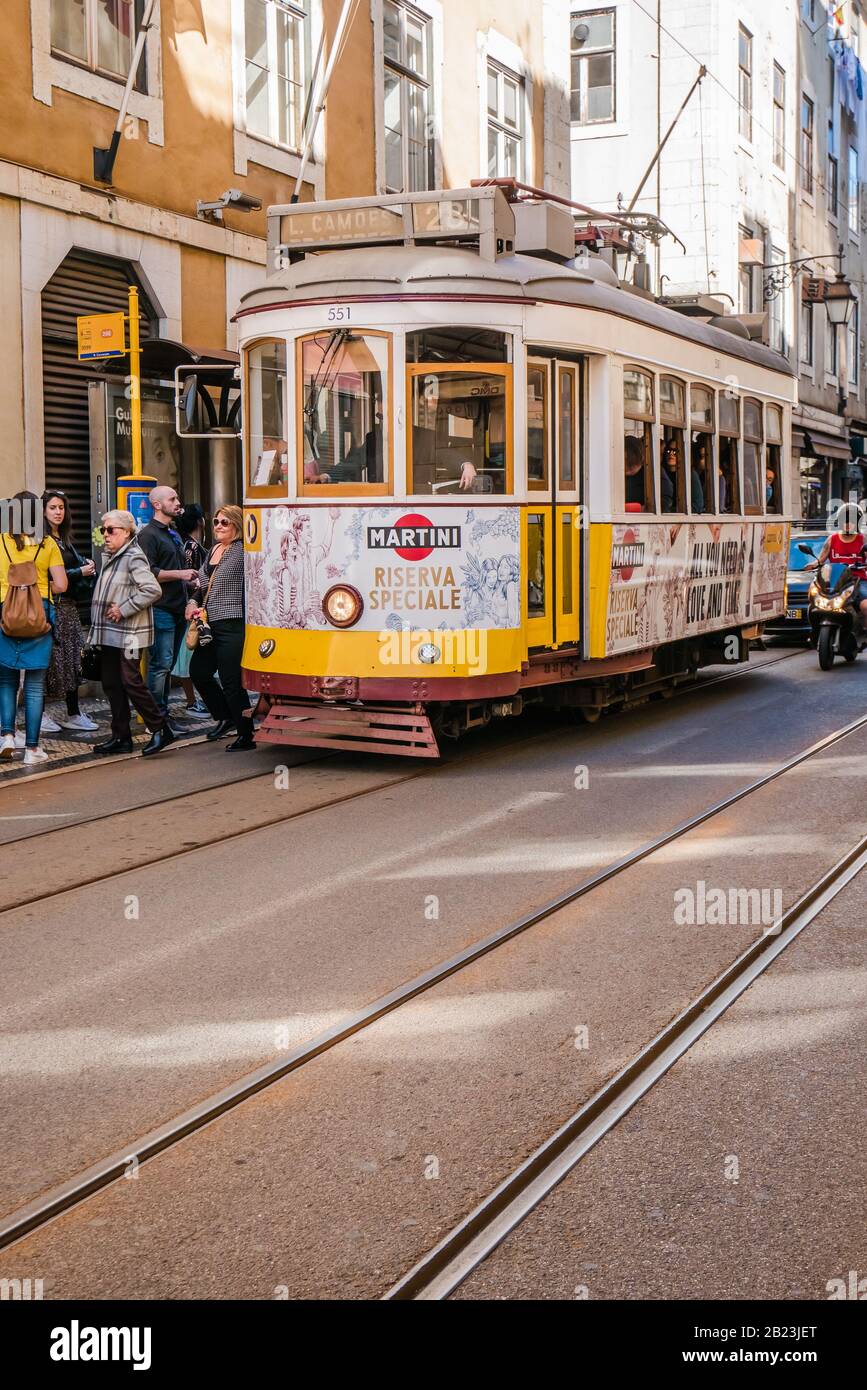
pixel 23 612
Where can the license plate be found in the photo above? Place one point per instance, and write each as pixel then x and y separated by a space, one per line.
pixel 797 614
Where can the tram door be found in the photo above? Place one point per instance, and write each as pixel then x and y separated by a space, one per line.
pixel 553 540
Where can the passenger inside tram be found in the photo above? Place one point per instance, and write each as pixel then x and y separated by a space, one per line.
pixel 701 481
pixel 672 487
pixel 729 502
pixel 636 489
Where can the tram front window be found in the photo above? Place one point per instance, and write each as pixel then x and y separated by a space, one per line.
pixel 344 377
pixel 459 431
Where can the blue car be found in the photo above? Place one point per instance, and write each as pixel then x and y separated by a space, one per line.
pixel 798 580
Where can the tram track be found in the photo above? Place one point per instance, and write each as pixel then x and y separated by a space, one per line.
pixel 190 799
pixel 459 1254
pixel 63 1197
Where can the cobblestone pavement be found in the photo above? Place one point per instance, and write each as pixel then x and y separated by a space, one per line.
pixel 68 748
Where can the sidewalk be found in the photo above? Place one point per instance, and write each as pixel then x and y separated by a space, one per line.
pixel 70 747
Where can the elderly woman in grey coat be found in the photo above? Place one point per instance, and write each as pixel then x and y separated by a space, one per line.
pixel 122 626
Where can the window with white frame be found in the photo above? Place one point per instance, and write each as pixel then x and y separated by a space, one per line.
pixel 807 130
pixel 98 34
pixel 408 98
pixel 276 69
pixel 852 345
pixel 594 66
pixel 505 102
pixel 745 82
pixel 779 117
pixel 853 190
pixel 807 334
pixel 833 185
pixel 831 348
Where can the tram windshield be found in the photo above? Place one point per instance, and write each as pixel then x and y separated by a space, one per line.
pixel 459 429
pixel 344 377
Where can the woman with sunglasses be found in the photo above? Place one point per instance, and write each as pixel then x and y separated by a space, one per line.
pixel 64 672
pixel 122 626
pixel 220 587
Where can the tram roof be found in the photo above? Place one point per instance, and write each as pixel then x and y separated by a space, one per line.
pixel 396 272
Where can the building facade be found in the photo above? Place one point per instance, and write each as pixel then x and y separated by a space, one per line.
pixel 763 169
pixel 424 94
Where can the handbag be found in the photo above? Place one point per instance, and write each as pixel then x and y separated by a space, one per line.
pixel 90 662
pixel 194 631
pixel 90 658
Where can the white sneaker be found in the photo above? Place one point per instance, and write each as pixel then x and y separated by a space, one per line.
pixel 32 756
pixel 7 747
pixel 49 725
pixel 77 721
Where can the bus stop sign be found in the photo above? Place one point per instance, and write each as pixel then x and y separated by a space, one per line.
pixel 101 335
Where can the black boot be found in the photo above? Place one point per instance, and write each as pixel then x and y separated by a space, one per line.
pixel 219 730
pixel 158 741
pixel 112 745
pixel 244 740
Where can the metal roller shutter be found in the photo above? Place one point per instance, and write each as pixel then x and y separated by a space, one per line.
pixel 81 285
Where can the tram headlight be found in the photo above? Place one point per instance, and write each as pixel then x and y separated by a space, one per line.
pixel 342 605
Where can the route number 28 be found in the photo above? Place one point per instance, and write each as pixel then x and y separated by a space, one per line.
pixel 338 313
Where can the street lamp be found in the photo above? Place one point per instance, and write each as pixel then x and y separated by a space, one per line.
pixel 839 301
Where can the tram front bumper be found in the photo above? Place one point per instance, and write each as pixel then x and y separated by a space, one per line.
pixel 405 732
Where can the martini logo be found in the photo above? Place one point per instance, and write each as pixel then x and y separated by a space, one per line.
pixel 413 537
pixel 627 556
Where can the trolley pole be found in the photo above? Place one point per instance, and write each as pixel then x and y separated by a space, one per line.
pixel 134 383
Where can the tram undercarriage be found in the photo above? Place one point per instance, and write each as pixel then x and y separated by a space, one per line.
pixel 336 718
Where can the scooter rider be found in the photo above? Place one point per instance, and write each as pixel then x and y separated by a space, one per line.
pixel 848 546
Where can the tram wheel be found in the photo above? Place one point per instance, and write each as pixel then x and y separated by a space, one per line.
pixel 826 648
pixel 591 714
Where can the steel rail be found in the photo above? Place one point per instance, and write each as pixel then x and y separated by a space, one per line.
pixel 475 755
pixel 43 1209
pixel 469 1243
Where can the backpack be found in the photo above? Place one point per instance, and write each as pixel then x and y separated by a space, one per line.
pixel 23 612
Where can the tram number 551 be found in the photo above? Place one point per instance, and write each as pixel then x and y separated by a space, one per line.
pixel 339 313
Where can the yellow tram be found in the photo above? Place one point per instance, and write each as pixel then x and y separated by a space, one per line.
pixel 481 472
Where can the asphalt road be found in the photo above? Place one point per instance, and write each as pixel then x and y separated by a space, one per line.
pixel 335 1180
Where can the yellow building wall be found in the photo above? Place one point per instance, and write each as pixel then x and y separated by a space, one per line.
pixel 203 298
pixel 12 471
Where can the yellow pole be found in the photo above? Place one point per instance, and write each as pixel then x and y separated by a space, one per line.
pixel 134 382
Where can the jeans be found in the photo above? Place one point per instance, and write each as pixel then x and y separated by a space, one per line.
pixel 169 629
pixel 34 702
pixel 229 699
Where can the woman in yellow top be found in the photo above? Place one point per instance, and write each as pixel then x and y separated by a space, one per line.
pixel 29 654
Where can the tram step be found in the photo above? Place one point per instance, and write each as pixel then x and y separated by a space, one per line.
pixel 365 729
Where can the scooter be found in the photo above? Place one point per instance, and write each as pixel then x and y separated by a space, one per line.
pixel 835 619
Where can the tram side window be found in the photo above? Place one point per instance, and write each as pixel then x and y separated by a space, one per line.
pixel 537 427
pixel 672 474
pixel 774 461
pixel 267 449
pixel 459 430
pixel 753 480
pixel 344 379
pixel 729 472
pixel 701 419
pixel 639 483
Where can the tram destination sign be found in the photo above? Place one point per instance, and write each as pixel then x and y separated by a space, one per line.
pixel 476 217
pixel 337 226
